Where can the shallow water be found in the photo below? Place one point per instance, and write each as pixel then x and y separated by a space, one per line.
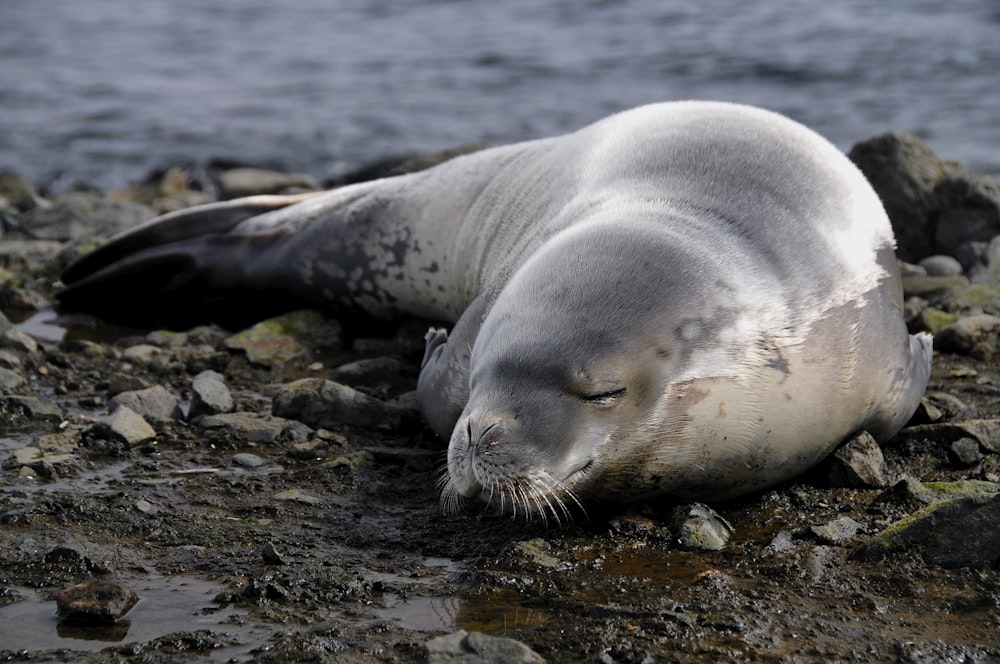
pixel 100 91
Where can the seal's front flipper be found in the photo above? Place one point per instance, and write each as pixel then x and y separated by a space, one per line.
pixel 180 269
pixel 443 387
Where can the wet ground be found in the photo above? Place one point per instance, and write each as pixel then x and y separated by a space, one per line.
pixel 333 548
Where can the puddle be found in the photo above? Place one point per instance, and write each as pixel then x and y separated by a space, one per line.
pixel 49 325
pixel 165 605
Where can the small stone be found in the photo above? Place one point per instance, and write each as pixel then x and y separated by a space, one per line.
pixel 16 407
pixel 270 555
pixel 10 379
pixel 18 341
pixel 463 647
pixel 940 265
pixel 965 452
pixel 697 527
pixel 297 496
pixel 209 395
pixel 155 403
pixel 858 463
pixel 145 354
pixel 119 382
pixel 838 530
pixel 246 426
pixel 129 426
pixel 278 340
pixel 145 506
pixel 95 601
pixel 27 455
pixel 248 460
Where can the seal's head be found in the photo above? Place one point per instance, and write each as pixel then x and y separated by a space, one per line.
pixel 570 378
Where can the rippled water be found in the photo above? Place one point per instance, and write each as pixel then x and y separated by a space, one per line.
pixel 100 91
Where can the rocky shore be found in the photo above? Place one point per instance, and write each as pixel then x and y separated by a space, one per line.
pixel 266 491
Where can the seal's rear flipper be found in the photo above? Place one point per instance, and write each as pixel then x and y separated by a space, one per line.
pixel 178 269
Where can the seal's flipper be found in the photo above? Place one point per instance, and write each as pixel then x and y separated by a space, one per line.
pixel 214 218
pixel 179 269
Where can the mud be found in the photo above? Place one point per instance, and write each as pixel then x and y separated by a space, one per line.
pixel 363 567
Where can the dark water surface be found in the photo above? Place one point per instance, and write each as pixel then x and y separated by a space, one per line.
pixel 101 91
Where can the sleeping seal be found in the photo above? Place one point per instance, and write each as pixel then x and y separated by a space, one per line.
pixel 691 298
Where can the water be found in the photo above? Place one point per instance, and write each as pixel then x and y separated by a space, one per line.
pixel 102 91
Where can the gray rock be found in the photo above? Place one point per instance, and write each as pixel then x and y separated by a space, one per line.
pixel 246 426
pixel 934 288
pixel 697 527
pixel 968 210
pixel 963 335
pixel 18 341
pixel 81 214
pixel 248 460
pixel 10 379
pixel 941 532
pixel 209 395
pixel 239 182
pixel 16 192
pixel 986 432
pixel 154 403
pixel 463 647
pixel 269 554
pixel 904 172
pixel 383 374
pixel 278 340
pixel 965 452
pixel 16 408
pixel 838 530
pixel 120 381
pixel 325 404
pixel 95 601
pixel 858 463
pixel 129 426
pixel 941 266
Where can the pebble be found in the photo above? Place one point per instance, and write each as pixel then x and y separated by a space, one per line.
pixel 463 647
pixel 246 426
pixel 95 601
pixel 155 403
pixel 697 527
pixel 965 452
pixel 128 425
pixel 838 530
pixel 269 554
pixel 209 395
pixel 297 496
pixel 10 379
pixel 940 265
pixel 277 340
pixel 962 335
pixel 248 460
pixel 858 463
pixel 18 341
pixel 15 405
pixel 238 182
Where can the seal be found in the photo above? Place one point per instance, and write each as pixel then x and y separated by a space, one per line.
pixel 690 298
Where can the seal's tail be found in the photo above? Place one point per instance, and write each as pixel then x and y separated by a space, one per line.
pixel 181 268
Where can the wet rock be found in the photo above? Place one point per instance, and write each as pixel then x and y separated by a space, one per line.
pixel 239 182
pixel 119 382
pixel 126 425
pixel 244 426
pixel 838 530
pixel 537 553
pixel 912 494
pixel 697 527
pixel 984 431
pixel 209 395
pixel 278 340
pixel 965 452
pixel 968 210
pixel 463 647
pixel 82 214
pixel 963 335
pixel 155 403
pixel 904 172
pixel 926 412
pixel 10 380
pixel 858 463
pixel 297 496
pixel 18 341
pixel 931 319
pixel 323 403
pixel 95 601
pixel 15 408
pixel 940 265
pixel 248 460
pixel 147 355
pixel 941 532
